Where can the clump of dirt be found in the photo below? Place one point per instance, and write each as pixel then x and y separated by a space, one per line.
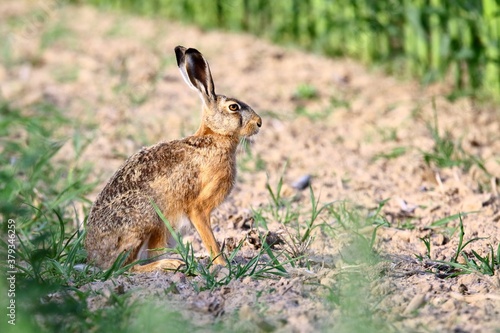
pixel 361 135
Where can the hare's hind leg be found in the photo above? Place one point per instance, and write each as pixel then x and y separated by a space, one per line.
pixel 160 265
pixel 157 240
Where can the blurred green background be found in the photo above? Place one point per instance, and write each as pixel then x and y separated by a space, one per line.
pixel 453 40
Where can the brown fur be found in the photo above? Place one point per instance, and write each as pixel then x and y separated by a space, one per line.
pixel 186 178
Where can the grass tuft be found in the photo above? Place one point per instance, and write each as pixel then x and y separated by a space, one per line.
pixel 462 262
pixel 447 153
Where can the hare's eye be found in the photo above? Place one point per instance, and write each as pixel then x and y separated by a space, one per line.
pixel 234 107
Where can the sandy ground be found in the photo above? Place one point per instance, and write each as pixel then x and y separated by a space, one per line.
pixel 116 76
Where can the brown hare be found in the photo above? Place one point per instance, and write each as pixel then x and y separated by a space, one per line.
pixel 186 178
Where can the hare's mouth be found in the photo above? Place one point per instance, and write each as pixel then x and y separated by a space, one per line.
pixel 249 130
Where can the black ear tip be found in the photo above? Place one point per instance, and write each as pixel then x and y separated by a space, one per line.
pixel 180 51
pixel 193 51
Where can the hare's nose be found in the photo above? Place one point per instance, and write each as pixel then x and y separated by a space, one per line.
pixel 259 122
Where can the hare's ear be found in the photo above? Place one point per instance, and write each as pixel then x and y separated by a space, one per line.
pixel 195 71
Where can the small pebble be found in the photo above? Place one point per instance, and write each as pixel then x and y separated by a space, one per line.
pixel 415 303
pixel 302 183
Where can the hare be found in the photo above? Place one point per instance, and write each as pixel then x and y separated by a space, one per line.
pixel 187 179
